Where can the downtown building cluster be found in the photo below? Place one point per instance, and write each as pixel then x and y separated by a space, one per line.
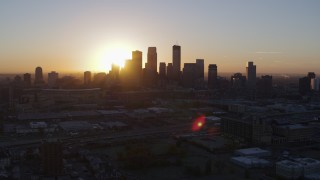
pixel 154 75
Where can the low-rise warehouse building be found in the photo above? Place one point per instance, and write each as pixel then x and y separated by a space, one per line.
pixel 250 162
pixel 298 168
pixel 256 152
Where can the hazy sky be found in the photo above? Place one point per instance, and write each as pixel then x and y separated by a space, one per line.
pixel 280 36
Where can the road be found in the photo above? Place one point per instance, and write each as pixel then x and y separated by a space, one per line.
pixel 158 132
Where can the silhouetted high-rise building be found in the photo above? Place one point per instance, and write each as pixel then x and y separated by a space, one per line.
pixel 238 81
pixel 38 81
pixel 152 59
pixel 150 72
pixel 162 70
pixel 315 84
pixel 99 79
pixel 52 157
pixel 264 86
pixel 126 74
pixel 189 75
pixel 212 76
pixel 115 72
pixel 200 68
pixel 17 81
pixel 311 75
pixel 52 79
pixel 137 60
pixel 87 78
pixel 131 74
pixel 251 75
pixel 27 79
pixel 170 73
pixel 176 61
pixel 137 66
pixel 304 85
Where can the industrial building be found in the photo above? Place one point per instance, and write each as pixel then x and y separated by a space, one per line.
pixel 297 168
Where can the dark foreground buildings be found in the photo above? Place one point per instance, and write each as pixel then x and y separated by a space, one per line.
pixel 52 160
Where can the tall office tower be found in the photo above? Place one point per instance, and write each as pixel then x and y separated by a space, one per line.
pixel 17 80
pixel 152 59
pixel 212 76
pixel 53 79
pixel 38 81
pixel 87 78
pixel 125 73
pixel 264 86
pixel 189 75
pixel 200 68
pixel 251 75
pixel 137 66
pixel 162 70
pixel 52 154
pixel 150 72
pixel 115 72
pixel 128 68
pixel 238 81
pixel 170 73
pixel 311 75
pixel 176 61
pixel 304 85
pixel 27 79
pixel 315 84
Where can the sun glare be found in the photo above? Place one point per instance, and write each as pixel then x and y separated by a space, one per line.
pixel 113 55
pixel 117 56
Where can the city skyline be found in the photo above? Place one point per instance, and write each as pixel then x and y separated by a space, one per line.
pixel 280 37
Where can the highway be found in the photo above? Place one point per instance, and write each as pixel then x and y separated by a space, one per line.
pixel 106 137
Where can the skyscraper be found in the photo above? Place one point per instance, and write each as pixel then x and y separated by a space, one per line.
pixel 115 72
pixel 38 82
pixel 150 73
pixel 238 81
pixel 212 76
pixel 251 75
pixel 200 68
pixel 162 70
pixel 264 86
pixel 311 75
pixel 27 79
pixel 189 75
pixel 137 66
pixel 170 72
pixel 176 61
pixel 87 78
pixel 152 59
pixel 304 85
pixel 315 82
pixel 137 60
pixel 52 79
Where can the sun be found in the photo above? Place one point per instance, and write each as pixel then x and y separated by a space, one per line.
pixel 112 54
pixel 116 55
